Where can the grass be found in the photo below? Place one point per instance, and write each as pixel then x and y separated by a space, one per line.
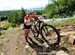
pixel 69 21
pixel 3 38
pixel 1 42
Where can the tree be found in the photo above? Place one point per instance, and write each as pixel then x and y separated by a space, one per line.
pixel 14 17
pixel 60 8
pixel 23 12
pixel 38 12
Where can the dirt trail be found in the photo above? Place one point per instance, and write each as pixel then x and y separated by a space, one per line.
pixel 15 45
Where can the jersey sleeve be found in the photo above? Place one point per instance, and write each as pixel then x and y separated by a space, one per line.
pixel 25 19
pixel 34 16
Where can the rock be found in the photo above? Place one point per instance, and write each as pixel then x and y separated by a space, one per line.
pixel 71 49
pixel 71 39
pixel 2 53
pixel 61 53
pixel 34 53
pixel 16 47
pixel 45 44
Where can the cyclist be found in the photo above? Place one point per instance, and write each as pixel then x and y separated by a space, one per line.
pixel 27 23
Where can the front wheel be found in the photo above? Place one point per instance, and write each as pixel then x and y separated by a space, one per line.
pixel 50 35
pixel 36 34
pixel 35 31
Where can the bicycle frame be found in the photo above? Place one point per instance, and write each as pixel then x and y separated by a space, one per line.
pixel 38 25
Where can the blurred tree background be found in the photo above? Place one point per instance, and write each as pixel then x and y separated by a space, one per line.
pixel 14 16
pixel 60 8
pixel 54 9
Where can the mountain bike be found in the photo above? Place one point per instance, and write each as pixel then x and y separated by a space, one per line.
pixel 48 33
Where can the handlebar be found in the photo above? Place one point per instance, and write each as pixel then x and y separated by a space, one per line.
pixel 36 19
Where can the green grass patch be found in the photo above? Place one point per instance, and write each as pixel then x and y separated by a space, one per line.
pixel 1 42
pixel 6 25
pixel 69 21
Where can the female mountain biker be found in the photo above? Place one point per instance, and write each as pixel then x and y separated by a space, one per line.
pixel 27 23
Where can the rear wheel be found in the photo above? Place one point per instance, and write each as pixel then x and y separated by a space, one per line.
pixel 50 35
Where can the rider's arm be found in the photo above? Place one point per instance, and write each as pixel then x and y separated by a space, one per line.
pixel 37 17
pixel 26 19
pixel 34 17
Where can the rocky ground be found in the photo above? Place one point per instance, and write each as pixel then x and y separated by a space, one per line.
pixel 16 45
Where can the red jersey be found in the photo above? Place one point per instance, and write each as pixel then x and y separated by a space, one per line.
pixel 26 18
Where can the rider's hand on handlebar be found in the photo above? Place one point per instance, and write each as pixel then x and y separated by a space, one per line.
pixel 32 18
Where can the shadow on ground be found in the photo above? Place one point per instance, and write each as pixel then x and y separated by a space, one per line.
pixel 41 50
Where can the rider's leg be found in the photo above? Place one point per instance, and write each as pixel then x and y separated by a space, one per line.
pixel 26 34
pixel 26 30
pixel 26 40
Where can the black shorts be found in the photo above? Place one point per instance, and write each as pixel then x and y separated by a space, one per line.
pixel 27 26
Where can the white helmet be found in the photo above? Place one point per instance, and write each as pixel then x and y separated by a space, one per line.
pixel 29 11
